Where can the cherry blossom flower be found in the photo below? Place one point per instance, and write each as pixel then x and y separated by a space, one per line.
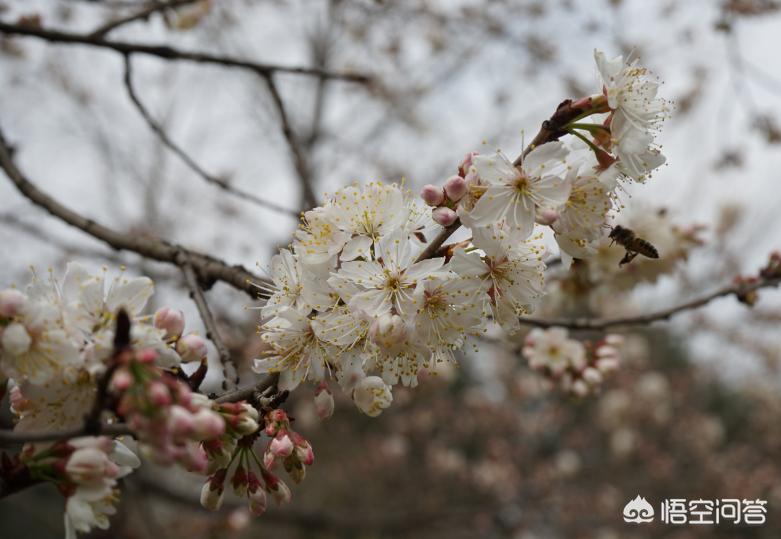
pixel 512 193
pixel 376 287
pixel 508 276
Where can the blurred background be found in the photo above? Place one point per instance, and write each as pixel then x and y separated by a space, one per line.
pixel 485 449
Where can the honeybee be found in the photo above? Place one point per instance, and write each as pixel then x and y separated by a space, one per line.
pixel 634 246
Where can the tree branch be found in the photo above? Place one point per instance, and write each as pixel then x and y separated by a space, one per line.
pixel 196 294
pixel 740 290
pixel 142 14
pixel 308 196
pixel 166 52
pixel 189 161
pixel 208 268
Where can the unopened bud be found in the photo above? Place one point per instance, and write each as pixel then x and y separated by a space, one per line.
pixel 11 302
pixel 387 330
pixel 281 445
pixel 158 393
pixel 16 341
pixel 546 216
pixel 432 195
pixel 444 216
pixel 455 188
pixel 324 401
pixel 592 376
pixel 257 497
pixel 208 424
pixel 191 347
pixel 211 496
pixel 121 380
pixel 171 321
pixel 372 396
pixel 180 421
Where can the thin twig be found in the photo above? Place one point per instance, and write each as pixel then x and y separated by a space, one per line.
pixel 249 393
pixel 142 14
pixel 166 52
pixel 740 289
pixel 198 297
pixel 185 157
pixel 208 268
pixel 308 197
pixel 432 248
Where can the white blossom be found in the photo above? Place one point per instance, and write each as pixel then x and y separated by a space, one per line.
pixel 508 275
pixel 512 194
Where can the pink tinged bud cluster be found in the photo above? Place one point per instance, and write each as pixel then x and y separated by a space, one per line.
pixel 286 446
pixel 169 421
pixel 252 478
pixel 576 367
pixel 444 200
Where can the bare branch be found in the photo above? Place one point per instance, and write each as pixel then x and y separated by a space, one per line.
pixel 142 14
pixel 208 268
pixel 432 248
pixel 740 290
pixel 308 197
pixel 197 295
pixel 250 393
pixel 166 52
pixel 189 161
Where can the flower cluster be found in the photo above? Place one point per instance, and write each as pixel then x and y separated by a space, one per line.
pixel 359 297
pixel 59 330
pixel 240 420
pixel 166 416
pixel 251 477
pixel 576 367
pixel 85 471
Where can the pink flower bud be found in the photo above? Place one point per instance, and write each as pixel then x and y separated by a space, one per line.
pixel 171 321
pixel 257 501
pixel 158 393
pixel 16 341
pixel 546 216
pixel 455 188
pixel 444 216
pixel 432 195
pixel 211 496
pixel 607 365
pixel 121 380
pixel 324 401
pixel 592 376
pixel 180 421
pixel 208 424
pixel 281 445
pixel 580 388
pixel 305 454
pixel 11 302
pixel 191 347
pixel 148 355
pixel 281 492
